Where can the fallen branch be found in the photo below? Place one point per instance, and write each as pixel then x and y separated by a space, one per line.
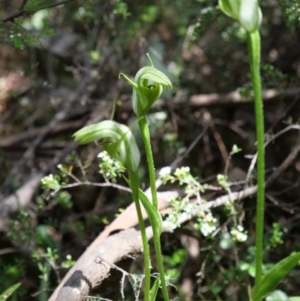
pixel 31 134
pixel 232 98
pixel 87 274
pixel 20 199
pixel 90 273
pixel 236 98
pixel 58 117
pixel 23 196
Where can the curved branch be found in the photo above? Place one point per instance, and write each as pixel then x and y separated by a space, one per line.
pixel 88 273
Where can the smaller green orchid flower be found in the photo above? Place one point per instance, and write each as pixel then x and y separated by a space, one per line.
pixel 147 86
pixel 247 12
pixel 117 140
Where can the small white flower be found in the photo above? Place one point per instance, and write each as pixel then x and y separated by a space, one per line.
pixel 207 229
pixel 185 216
pixel 165 171
pixel 102 154
pixel 169 226
pixel 241 237
pixel 209 217
pixel 50 177
pixel 239 234
pixel 240 228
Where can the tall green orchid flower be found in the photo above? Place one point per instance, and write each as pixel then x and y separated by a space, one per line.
pixel 247 12
pixel 147 86
pixel 118 141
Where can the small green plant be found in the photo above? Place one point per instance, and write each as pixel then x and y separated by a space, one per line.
pixel 276 236
pixel 249 15
pixel 120 145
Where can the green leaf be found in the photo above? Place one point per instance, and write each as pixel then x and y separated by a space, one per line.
pixel 154 289
pixel 272 278
pixel 153 214
pixel 295 298
pixel 118 141
pixel 8 292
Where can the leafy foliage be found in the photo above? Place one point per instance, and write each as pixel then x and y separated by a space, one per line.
pixel 291 11
pixel 201 51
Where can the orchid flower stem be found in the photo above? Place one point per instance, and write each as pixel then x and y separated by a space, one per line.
pixel 160 264
pixel 134 180
pixel 144 128
pixel 254 53
pixel 143 124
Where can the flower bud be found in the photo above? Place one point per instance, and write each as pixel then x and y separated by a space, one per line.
pixel 117 140
pixel 247 12
pixel 147 86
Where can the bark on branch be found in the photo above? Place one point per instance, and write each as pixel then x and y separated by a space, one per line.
pixel 88 273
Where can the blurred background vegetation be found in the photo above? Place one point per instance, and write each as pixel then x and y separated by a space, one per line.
pixel 59 67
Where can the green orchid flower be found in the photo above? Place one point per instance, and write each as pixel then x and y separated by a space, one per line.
pixel 117 140
pixel 247 12
pixel 147 86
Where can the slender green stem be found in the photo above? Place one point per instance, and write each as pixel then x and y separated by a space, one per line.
pixel 143 124
pixel 160 264
pixel 156 235
pixel 134 180
pixel 254 52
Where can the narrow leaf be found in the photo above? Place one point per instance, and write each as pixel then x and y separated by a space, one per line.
pixel 154 289
pixel 8 292
pixel 153 215
pixel 272 278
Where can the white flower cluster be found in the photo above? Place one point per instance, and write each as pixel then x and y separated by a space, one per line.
pixel 182 172
pixel 239 233
pixel 165 171
pixel 208 225
pixel 50 182
pixel 109 167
